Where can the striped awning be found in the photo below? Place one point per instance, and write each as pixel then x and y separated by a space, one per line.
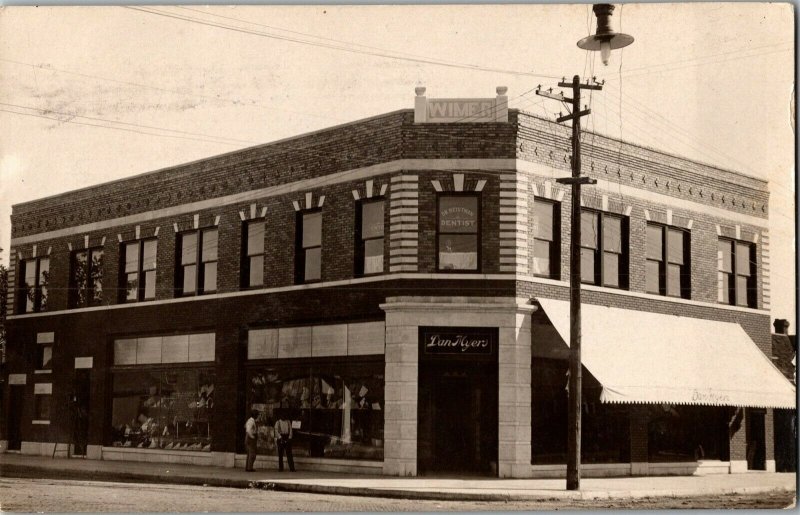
pixel 644 357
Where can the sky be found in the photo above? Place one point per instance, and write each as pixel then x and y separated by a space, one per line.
pixel 92 94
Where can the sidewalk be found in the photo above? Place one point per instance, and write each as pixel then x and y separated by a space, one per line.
pixel 476 489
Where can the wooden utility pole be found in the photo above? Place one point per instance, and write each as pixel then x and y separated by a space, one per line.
pixel 574 414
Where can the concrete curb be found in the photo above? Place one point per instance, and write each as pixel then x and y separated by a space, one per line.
pixel 485 496
pixel 98 475
pixel 12 470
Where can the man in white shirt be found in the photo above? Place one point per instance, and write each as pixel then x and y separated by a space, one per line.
pixel 283 440
pixel 251 440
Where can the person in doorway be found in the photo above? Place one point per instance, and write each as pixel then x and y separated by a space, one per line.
pixel 251 440
pixel 283 440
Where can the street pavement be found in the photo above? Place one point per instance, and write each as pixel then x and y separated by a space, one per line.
pixel 433 488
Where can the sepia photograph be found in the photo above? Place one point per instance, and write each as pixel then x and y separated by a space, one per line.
pixel 388 258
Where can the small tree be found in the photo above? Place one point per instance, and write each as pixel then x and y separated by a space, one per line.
pixel 3 309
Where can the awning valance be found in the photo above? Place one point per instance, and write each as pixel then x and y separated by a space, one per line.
pixel 643 357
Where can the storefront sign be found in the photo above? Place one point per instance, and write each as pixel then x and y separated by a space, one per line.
pixel 455 218
pixel 460 341
pixel 461 110
pixel 710 397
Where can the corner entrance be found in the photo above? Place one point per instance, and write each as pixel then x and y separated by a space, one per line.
pixel 457 410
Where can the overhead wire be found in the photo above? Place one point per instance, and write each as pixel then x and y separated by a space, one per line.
pixel 330 46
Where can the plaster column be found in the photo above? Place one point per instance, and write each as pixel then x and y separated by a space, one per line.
pixel 401 387
pixel 514 398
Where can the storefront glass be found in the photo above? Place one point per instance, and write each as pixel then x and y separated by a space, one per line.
pixel 605 428
pixel 336 408
pixel 162 409
pixel 687 433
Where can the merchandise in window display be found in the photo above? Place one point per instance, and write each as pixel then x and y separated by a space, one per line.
pixel 336 410
pixel 171 412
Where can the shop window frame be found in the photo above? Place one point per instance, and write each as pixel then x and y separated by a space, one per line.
pixel 685 269
pixel 141 273
pixel 39 290
pixel 478 231
pixel 310 367
pixel 555 243
pixel 39 398
pixel 301 250
pixel 246 265
pixel 200 287
pixel 88 288
pixel 160 369
pixel 751 294
pixel 361 242
pixel 599 276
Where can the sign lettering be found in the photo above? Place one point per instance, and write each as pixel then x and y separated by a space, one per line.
pixel 712 397
pixel 457 341
pixel 461 110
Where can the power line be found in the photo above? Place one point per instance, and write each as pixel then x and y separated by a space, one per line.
pixel 738 53
pixel 113 128
pixel 51 111
pixel 382 54
pixel 216 98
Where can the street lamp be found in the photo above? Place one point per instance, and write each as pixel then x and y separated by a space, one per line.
pixel 605 40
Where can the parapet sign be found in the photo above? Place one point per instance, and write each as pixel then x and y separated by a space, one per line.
pixel 461 110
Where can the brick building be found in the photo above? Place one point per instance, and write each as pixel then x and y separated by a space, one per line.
pixel 398 286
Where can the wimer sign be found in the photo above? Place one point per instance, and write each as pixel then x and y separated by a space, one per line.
pixel 461 110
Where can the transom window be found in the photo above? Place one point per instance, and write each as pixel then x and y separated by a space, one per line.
pixel 667 269
pixel 604 249
pixel 139 270
pixel 736 276
pixel 197 269
pixel 253 255
pixel 308 255
pixel 458 227
pixel 86 282
pixel 35 275
pixel 547 239
pixel 369 238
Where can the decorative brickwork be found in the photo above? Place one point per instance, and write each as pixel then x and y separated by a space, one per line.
pixel 404 224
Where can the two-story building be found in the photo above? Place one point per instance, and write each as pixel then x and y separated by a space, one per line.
pixel 399 287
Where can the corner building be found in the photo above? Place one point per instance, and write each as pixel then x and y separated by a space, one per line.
pixel 398 286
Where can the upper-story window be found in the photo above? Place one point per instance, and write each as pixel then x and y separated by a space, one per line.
pixel 139 270
pixel 369 237
pixel 736 276
pixel 547 239
pixel 35 274
pixel 667 269
pixel 458 232
pixel 604 249
pixel 308 249
pixel 86 278
pixel 253 254
pixel 197 269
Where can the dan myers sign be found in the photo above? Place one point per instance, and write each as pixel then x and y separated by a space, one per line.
pixel 453 340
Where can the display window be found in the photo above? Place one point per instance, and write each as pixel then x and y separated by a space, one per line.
pixel 605 434
pixel 336 409
pixel 678 433
pixel 162 408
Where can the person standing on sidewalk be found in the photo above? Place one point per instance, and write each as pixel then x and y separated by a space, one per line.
pixel 251 440
pixel 283 441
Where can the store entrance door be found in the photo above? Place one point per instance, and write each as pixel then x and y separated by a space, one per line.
pixel 756 441
pixel 15 404
pixel 457 410
pixel 80 413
